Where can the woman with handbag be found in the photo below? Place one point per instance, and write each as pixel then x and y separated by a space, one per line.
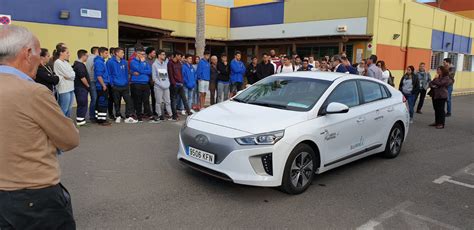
pixel 439 94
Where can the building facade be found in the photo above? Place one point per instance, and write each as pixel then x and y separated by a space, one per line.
pixel 400 32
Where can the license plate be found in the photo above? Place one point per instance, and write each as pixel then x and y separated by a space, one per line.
pixel 201 155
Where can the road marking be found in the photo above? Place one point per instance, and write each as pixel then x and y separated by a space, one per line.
pixel 445 178
pixel 429 220
pixel 371 224
pixel 467 170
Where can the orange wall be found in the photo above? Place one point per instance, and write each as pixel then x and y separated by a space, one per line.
pixel 141 8
pixel 455 5
pixel 395 58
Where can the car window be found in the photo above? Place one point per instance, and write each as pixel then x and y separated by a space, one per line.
pixel 345 93
pixel 384 91
pixel 289 93
pixel 371 91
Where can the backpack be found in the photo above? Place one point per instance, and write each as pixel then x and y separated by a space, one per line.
pixel 391 79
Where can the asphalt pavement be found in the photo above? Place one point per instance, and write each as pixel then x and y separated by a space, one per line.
pixel 127 177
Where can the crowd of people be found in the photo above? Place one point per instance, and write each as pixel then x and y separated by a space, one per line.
pixel 178 84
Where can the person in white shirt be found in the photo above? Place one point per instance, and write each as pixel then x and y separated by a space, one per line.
pixel 66 76
pixel 385 72
pixel 287 66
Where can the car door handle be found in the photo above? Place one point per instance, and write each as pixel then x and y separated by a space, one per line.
pixel 390 109
pixel 360 120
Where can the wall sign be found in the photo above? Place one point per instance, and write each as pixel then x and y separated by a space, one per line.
pixel 89 13
pixel 5 19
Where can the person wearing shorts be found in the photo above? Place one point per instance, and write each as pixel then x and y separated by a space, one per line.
pixel 203 73
pixel 237 72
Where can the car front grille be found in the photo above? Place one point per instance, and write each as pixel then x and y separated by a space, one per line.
pixel 267 163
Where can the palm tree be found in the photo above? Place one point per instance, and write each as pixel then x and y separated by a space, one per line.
pixel 200 27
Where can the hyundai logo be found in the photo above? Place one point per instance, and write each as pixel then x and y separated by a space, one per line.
pixel 202 140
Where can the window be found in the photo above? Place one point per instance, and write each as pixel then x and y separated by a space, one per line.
pixel 289 93
pixel 467 65
pixel 454 59
pixel 436 59
pixel 345 93
pixel 371 91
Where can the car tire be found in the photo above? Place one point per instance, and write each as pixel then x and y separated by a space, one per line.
pixel 299 170
pixel 394 142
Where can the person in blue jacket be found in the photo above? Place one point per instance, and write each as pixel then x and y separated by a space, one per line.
pixel 203 73
pixel 189 79
pixel 237 71
pixel 102 79
pixel 118 70
pixel 140 78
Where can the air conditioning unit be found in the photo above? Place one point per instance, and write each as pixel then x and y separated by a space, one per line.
pixel 342 29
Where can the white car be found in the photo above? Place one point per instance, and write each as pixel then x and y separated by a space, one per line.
pixel 288 127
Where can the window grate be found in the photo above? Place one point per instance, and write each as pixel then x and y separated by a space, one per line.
pixel 467 63
pixel 436 59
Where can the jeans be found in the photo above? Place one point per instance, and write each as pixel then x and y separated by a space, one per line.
pixel 422 95
pixel 440 115
pixel 65 102
pixel 153 99
pixel 450 92
pixel 101 105
pixel 411 103
pixel 189 95
pixel 45 208
pixel 141 99
pixel 119 93
pixel 176 91
pixel 213 91
pixel 222 91
pixel 93 92
pixel 162 96
pixel 81 99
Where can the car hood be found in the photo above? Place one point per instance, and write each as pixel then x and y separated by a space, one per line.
pixel 253 119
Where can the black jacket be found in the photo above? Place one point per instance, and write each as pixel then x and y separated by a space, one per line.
pixel 251 74
pixel 214 75
pixel 265 70
pixel 415 82
pixel 223 71
pixel 44 77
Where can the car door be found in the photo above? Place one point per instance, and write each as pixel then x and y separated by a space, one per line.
pixel 343 134
pixel 378 107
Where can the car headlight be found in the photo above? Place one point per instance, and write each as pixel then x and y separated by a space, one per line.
pixel 261 139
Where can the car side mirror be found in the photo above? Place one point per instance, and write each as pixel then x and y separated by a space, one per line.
pixel 336 107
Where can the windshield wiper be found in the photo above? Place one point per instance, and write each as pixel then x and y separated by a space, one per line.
pixel 238 100
pixel 266 104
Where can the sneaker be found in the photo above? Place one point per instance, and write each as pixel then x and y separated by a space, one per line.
pixel 162 118
pixel 193 111
pixel 118 119
pixel 419 112
pixel 440 127
pixel 140 119
pixel 130 120
pixel 448 114
pixel 433 124
pixel 105 123
pixel 111 117
pixel 173 119
pixel 81 123
pixel 183 112
pixel 155 121
pixel 189 113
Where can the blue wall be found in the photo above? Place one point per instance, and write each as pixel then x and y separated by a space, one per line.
pixel 47 11
pixel 448 42
pixel 257 15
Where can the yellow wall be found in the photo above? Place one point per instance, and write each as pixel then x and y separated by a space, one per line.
pixel 181 29
pixel 75 37
pixel 314 10
pixel 112 23
pixel 185 11
pixel 239 3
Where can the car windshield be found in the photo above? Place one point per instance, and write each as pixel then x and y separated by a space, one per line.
pixel 289 93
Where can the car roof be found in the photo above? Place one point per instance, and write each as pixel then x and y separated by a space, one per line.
pixel 328 76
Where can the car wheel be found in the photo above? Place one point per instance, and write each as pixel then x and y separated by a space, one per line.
pixel 394 142
pixel 299 170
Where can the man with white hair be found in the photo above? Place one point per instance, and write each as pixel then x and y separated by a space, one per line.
pixel 32 130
